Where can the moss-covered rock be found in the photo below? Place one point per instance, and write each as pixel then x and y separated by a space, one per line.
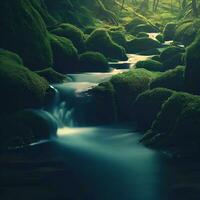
pixel 27 126
pixel 150 65
pixel 172 56
pixel 147 28
pixel 93 62
pixel 156 58
pixel 127 87
pixel 164 124
pixel 140 45
pixel 118 37
pixel 100 41
pixel 160 38
pixel 147 105
pixel 23 31
pixel 187 31
pixel 72 33
pixel 172 79
pixel 52 76
pixel 192 73
pixel 169 31
pixel 134 23
pixel 27 88
pixel 142 35
pixel 65 56
pixel 100 107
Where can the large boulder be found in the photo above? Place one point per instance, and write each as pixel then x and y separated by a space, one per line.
pixel 27 126
pixel 192 73
pixel 169 31
pixel 172 56
pixel 127 87
pixel 72 33
pixel 93 62
pixel 142 45
pixel 65 55
pixel 172 79
pixel 23 31
pixel 151 65
pixel 147 105
pixel 100 41
pixel 26 87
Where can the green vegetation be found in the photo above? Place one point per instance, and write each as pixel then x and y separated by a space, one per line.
pixel 169 31
pixel 65 57
pixel 52 76
pixel 93 62
pixel 172 79
pixel 147 105
pixel 16 81
pixel 172 56
pixel 127 87
pixel 72 33
pixel 100 41
pixel 140 45
pixel 192 75
pixel 150 65
pixel 23 31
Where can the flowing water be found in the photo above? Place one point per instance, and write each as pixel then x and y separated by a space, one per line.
pixel 96 163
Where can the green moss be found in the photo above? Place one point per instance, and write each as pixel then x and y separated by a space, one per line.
pixel 147 105
pixel 150 65
pixel 118 37
pixel 23 32
pixel 192 75
pixel 65 57
pixel 52 76
pixel 140 45
pixel 171 79
pixel 127 87
pixel 26 87
pixel 27 126
pixel 142 35
pixel 172 57
pixel 156 58
pixel 169 31
pixel 187 31
pixel 100 41
pixel 101 108
pixel 160 38
pixel 134 23
pixel 72 33
pixel 93 62
pixel 147 28
pixel 159 134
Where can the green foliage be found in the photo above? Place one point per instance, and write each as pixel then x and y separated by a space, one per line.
pixel 26 87
pixel 192 75
pixel 147 105
pixel 52 76
pixel 150 65
pixel 172 57
pixel 27 126
pixel 160 38
pixel 100 41
pixel 93 62
pixel 72 33
pixel 23 31
pixel 127 87
pixel 169 31
pixel 118 37
pixel 171 79
pixel 140 45
pixel 65 57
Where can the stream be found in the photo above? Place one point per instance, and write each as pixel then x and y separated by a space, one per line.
pixel 93 163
